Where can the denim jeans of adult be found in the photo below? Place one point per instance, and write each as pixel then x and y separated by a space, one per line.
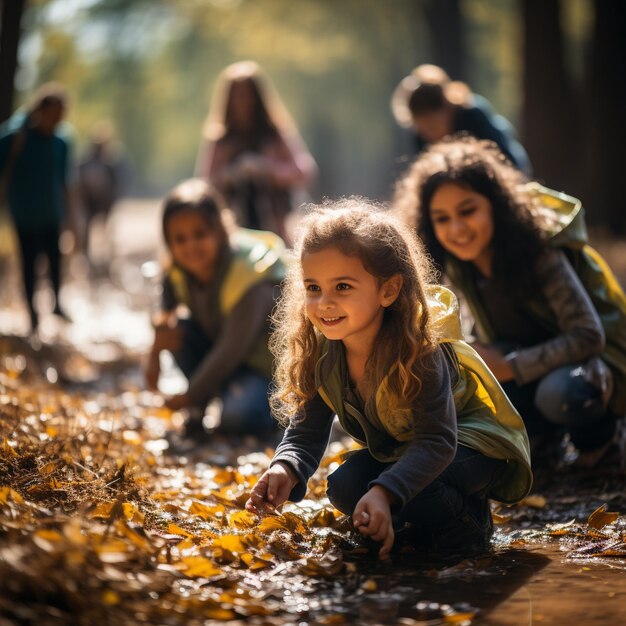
pixel 439 508
pixel 244 394
pixel 564 401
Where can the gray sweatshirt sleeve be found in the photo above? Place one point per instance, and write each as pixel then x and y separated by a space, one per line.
pixel 435 436
pixel 304 444
pixel 581 334
pixel 241 329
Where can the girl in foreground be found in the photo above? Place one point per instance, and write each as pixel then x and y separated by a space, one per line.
pixel 550 317
pixel 358 335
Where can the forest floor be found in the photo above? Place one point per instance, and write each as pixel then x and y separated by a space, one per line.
pixel 100 524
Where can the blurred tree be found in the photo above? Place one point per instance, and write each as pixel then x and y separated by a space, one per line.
pixel 10 34
pixel 605 121
pixel 447 36
pixel 550 116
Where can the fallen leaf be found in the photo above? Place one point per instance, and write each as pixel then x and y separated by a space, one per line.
pixel 601 518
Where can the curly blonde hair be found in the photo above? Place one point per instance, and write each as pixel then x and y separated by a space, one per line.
pixel 386 247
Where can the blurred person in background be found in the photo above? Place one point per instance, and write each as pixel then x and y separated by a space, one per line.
pixel 35 165
pixel 217 297
pixel 436 107
pixel 102 176
pixel 251 150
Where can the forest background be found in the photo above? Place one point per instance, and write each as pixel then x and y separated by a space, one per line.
pixel 555 68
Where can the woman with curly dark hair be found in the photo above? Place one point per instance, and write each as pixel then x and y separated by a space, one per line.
pixel 550 317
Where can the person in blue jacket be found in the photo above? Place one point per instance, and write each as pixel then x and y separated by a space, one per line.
pixel 436 107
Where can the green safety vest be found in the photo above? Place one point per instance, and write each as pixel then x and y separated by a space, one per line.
pixel 257 256
pixel 487 421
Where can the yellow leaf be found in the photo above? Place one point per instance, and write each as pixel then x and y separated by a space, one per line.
pixel 48 468
pixel 324 518
pixel 205 511
pixel 253 563
pixel 535 501
pixel 49 535
pixel 232 543
pixel 218 613
pixel 295 523
pixel 7 492
pixel 135 538
pixel 601 518
pixel 8 449
pixel 131 513
pixel 242 519
pixel 270 523
pixel 186 544
pixel 110 598
pixel 198 566
pixel 102 510
pixel 177 530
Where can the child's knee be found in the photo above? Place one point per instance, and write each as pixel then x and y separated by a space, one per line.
pixel 566 398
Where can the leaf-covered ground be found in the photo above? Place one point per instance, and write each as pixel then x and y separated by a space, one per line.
pixel 100 525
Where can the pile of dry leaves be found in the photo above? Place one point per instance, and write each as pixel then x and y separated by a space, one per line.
pixel 99 526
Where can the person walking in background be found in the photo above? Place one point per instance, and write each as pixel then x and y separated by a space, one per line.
pixel 102 174
pixel 550 316
pixel 436 107
pixel 225 278
pixel 251 150
pixel 34 167
pixel 359 334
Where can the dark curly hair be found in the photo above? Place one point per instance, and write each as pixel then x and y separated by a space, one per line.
pixel 480 166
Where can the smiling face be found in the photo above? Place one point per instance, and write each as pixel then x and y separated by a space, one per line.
pixel 193 244
pixel 343 300
pixel 462 221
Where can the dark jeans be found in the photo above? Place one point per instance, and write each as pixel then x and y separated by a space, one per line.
pixel 244 393
pixel 564 401
pixel 438 510
pixel 32 244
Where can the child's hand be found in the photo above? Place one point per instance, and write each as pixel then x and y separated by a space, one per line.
pixel 272 489
pixel 167 337
pixel 177 402
pixel 372 518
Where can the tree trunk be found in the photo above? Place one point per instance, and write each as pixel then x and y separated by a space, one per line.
pixel 550 110
pixel 10 32
pixel 605 123
pixel 446 28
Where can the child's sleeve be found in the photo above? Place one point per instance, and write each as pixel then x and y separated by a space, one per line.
pixel 304 444
pixel 580 335
pixel 435 436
